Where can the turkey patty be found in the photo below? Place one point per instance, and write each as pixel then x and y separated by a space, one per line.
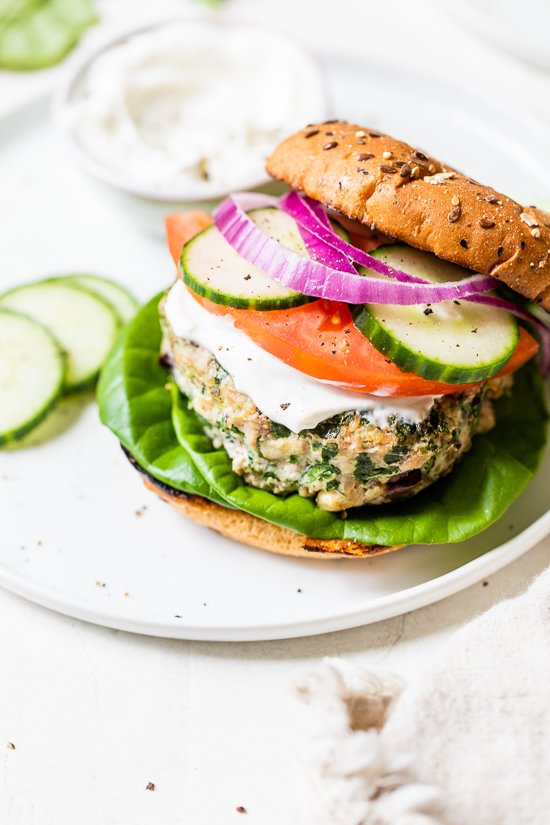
pixel 343 462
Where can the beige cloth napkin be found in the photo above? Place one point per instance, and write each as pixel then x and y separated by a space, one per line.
pixel 466 744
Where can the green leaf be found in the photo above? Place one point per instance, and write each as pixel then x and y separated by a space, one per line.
pixel 365 468
pixel 323 470
pixel 135 402
pixel 168 441
pixel 35 34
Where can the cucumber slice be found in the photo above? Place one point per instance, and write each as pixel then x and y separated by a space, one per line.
pixel 122 301
pixel 32 374
pixel 456 342
pixel 210 266
pixel 39 33
pixel 84 324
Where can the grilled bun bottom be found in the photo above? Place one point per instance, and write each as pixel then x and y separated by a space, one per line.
pixel 393 187
pixel 240 526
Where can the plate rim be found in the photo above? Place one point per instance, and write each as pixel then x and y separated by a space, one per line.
pixel 379 609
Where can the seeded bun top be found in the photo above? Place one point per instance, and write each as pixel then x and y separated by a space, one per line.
pixel 402 192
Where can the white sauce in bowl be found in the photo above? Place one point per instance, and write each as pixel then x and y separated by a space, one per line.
pixel 272 384
pixel 189 109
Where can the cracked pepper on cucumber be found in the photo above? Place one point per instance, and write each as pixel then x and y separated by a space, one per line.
pixel 347 345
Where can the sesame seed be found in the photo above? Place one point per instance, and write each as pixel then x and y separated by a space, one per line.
pixel 455 200
pixel 311 133
pixel 332 145
pixel 485 223
pixel 431 168
pixel 454 214
pixel 491 199
pixel 386 155
pixel 360 134
pixel 374 134
pixel 361 142
pixel 365 156
pixel 439 177
pixel 535 232
pixel 415 173
pixel 530 220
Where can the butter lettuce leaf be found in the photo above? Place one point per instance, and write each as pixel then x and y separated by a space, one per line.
pixel 168 441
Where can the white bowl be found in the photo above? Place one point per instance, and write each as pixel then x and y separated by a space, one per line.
pixel 150 199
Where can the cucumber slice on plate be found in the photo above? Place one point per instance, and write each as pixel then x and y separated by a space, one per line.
pixel 211 268
pixel 32 374
pixel 456 342
pixel 84 324
pixel 122 301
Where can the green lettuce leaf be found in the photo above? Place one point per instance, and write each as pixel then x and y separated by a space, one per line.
pixel 168 441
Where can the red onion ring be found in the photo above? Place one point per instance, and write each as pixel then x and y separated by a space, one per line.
pixel 320 280
pixel 309 211
pixel 306 213
pixel 330 273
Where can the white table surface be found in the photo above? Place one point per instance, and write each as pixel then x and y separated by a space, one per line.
pixel 95 714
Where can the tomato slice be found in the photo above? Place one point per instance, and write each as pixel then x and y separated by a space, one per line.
pixel 181 227
pixel 320 339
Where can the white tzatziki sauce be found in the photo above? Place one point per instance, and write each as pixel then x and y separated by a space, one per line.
pixel 280 392
pixel 192 109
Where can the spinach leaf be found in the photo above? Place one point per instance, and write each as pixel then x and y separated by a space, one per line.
pixel 168 441
pixel 135 403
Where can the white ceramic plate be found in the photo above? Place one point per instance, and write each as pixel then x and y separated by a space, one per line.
pixel 506 24
pixel 81 535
